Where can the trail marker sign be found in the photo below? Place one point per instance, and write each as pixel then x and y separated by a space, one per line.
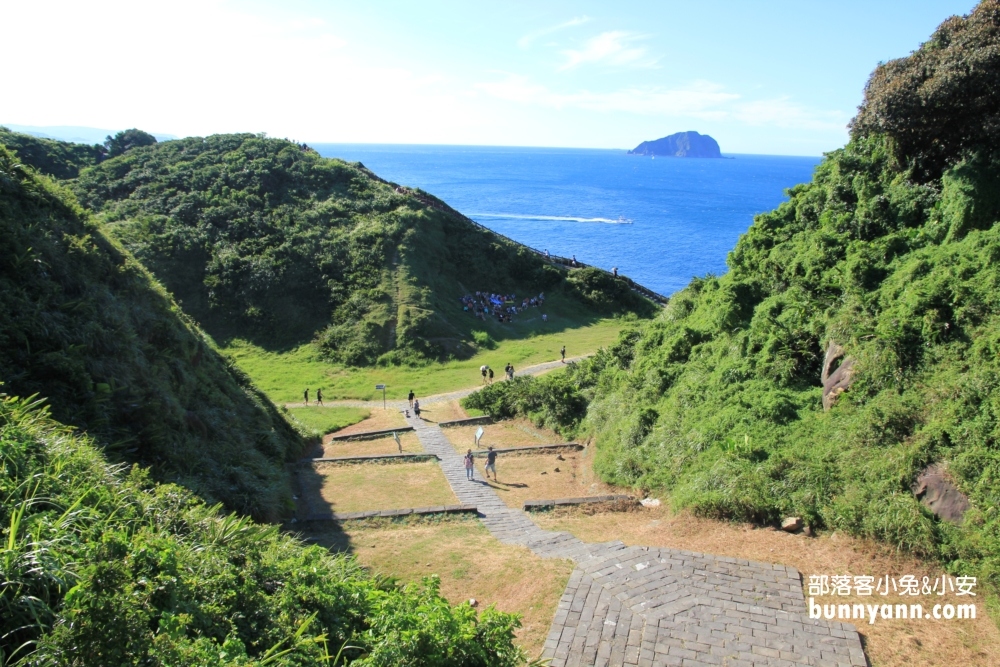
pixel 479 435
pixel 382 387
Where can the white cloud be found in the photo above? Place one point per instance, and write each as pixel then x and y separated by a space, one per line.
pixel 781 111
pixel 526 41
pixel 701 100
pixel 700 97
pixel 615 47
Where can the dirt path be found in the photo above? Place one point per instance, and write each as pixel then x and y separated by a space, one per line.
pixel 537 369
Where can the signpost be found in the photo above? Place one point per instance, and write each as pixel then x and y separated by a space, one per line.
pixel 395 436
pixel 382 387
pixel 479 435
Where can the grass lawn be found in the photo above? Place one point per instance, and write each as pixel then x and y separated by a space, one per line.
pixel 895 643
pixel 284 375
pixel 471 564
pixel 374 486
pixel 409 440
pixel 326 420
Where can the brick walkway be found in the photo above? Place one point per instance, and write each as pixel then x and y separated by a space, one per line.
pixel 648 606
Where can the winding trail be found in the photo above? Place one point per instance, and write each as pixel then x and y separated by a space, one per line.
pixel 642 606
pixel 537 369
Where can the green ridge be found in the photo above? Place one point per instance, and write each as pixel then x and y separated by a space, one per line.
pixel 83 325
pixel 262 239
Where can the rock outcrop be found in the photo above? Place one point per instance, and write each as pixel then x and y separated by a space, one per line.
pixel 682 144
pixel 938 494
pixel 838 381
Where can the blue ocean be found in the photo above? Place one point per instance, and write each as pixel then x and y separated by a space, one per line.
pixel 660 221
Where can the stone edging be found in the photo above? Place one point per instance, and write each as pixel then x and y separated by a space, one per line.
pixel 369 435
pixel 532 449
pixel 414 511
pixel 373 458
pixel 468 421
pixel 537 504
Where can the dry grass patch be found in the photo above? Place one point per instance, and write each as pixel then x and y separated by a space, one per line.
pixel 507 433
pixel 534 477
pixel 442 411
pixel 378 420
pixel 887 642
pixel 471 564
pixel 374 486
pixel 409 440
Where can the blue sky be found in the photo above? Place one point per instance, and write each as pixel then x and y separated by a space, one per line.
pixel 774 77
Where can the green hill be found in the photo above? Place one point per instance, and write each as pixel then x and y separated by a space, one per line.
pixel 262 239
pixel 58 159
pixel 83 325
pixel 890 253
pixel 104 568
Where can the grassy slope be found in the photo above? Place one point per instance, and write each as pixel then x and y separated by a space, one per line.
pixel 85 326
pixel 103 568
pixel 283 375
pixel 718 400
pixel 263 240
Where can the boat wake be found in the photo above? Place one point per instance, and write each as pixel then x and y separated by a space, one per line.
pixel 557 218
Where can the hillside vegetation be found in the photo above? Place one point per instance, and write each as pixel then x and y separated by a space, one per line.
pixel 891 252
pixel 100 567
pixel 264 240
pixel 83 325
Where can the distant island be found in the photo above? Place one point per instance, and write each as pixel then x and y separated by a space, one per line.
pixel 682 144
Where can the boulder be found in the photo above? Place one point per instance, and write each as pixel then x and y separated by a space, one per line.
pixel 938 494
pixel 650 502
pixel 835 380
pixel 792 524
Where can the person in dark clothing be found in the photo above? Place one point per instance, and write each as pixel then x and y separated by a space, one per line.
pixel 319 396
pixel 563 353
pixel 614 271
pixel 491 376
pixel 491 463
pixel 305 396
pixel 410 397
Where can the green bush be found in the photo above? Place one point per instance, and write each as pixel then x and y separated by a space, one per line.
pixel 101 567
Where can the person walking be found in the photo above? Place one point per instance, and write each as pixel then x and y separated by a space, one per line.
pixel 483 369
pixel 469 466
pixel 410 397
pixel 305 396
pixel 491 463
pixel 614 271
pixel 319 396
pixel 416 407
pixel 563 353
pixel 491 376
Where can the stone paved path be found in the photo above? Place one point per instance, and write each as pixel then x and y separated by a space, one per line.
pixel 651 606
pixel 537 369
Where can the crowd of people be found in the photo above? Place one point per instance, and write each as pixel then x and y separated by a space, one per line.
pixel 503 307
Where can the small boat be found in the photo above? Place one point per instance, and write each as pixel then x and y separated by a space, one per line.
pixel 622 220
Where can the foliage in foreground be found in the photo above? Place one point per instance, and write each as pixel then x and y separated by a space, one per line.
pixel 84 325
pixel 101 567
